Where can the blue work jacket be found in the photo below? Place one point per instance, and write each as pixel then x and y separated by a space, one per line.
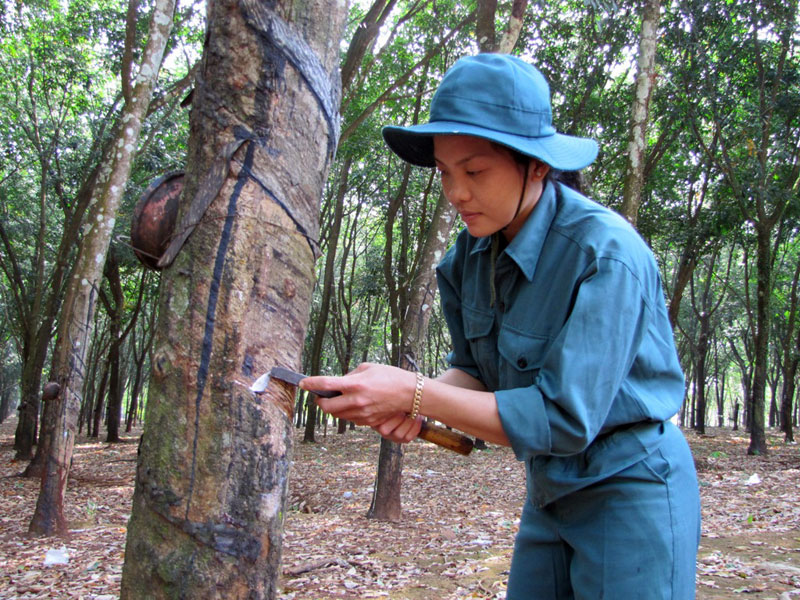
pixel 574 340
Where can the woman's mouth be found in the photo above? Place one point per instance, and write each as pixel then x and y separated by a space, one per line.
pixel 468 217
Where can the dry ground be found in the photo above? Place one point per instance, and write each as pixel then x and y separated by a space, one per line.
pixel 455 540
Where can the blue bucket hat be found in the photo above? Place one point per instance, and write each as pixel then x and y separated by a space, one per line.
pixel 500 98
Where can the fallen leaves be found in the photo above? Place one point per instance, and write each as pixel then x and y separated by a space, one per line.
pixel 751 517
pixel 88 564
pixel 460 516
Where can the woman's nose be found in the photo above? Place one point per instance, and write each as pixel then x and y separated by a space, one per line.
pixel 456 192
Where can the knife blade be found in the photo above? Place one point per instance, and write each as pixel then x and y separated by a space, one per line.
pixel 290 377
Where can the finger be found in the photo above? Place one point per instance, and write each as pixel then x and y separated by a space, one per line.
pixel 390 425
pixel 350 409
pixel 414 426
pixel 323 383
pixel 400 428
pixel 339 407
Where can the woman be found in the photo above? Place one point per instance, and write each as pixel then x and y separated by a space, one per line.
pixel 561 348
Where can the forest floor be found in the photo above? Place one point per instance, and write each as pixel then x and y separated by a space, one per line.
pixel 454 541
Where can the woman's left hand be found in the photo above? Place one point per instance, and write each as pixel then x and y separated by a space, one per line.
pixel 373 395
pixel 401 428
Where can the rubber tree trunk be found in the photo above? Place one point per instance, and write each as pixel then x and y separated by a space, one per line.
pixel 115 376
pixel 643 89
pixel 790 346
pixel 43 312
pixel 211 483
pixel 48 422
pixel 701 358
pixel 77 317
pixel 490 40
pixel 758 435
pixel 25 434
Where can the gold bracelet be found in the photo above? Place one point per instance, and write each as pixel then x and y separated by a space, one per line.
pixel 417 396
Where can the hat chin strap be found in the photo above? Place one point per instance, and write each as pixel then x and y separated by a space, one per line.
pixel 521 196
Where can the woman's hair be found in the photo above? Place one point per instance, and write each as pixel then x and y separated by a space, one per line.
pixel 571 179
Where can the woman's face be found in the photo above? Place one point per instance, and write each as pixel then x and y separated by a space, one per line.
pixel 484 182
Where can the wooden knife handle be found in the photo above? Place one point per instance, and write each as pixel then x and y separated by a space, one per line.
pixel 446 438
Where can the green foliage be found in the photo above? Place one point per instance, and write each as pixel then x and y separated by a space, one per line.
pixel 703 130
pixel 722 138
pixel 60 90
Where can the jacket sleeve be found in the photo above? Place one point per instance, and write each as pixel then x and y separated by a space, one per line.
pixel 584 382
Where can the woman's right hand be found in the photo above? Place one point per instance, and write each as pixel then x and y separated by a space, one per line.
pixel 370 395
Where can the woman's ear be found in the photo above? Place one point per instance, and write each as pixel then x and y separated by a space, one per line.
pixel 538 170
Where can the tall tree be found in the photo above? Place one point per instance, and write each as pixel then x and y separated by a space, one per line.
pixel 485 26
pixel 115 307
pixel 790 346
pixel 364 38
pixel 326 291
pixel 705 306
pixel 141 344
pixel 643 88
pixel 44 68
pixel 77 317
pixel 759 148
pixel 411 287
pixel 210 489
pixel 420 290
pixel 386 503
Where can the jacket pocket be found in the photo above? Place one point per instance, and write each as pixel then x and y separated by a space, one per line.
pixel 477 323
pixel 522 356
pixel 479 332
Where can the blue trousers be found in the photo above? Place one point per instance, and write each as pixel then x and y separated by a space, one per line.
pixel 632 536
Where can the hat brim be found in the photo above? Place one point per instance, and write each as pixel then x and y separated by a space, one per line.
pixel 562 152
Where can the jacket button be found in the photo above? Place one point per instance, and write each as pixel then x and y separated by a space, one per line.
pixel 522 363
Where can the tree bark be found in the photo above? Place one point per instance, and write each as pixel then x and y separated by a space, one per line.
pixel 719 389
pixel 210 492
pixel 790 347
pixel 386 504
pixel 700 375
pixel 788 393
pixel 485 33
pixel 75 326
pixel 643 89
pixel 686 266
pixel 704 309
pixel 30 381
pixel 484 25
pixel 758 436
pixel 423 289
pixel 49 406
pixel 114 311
pixel 513 27
pixel 96 410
